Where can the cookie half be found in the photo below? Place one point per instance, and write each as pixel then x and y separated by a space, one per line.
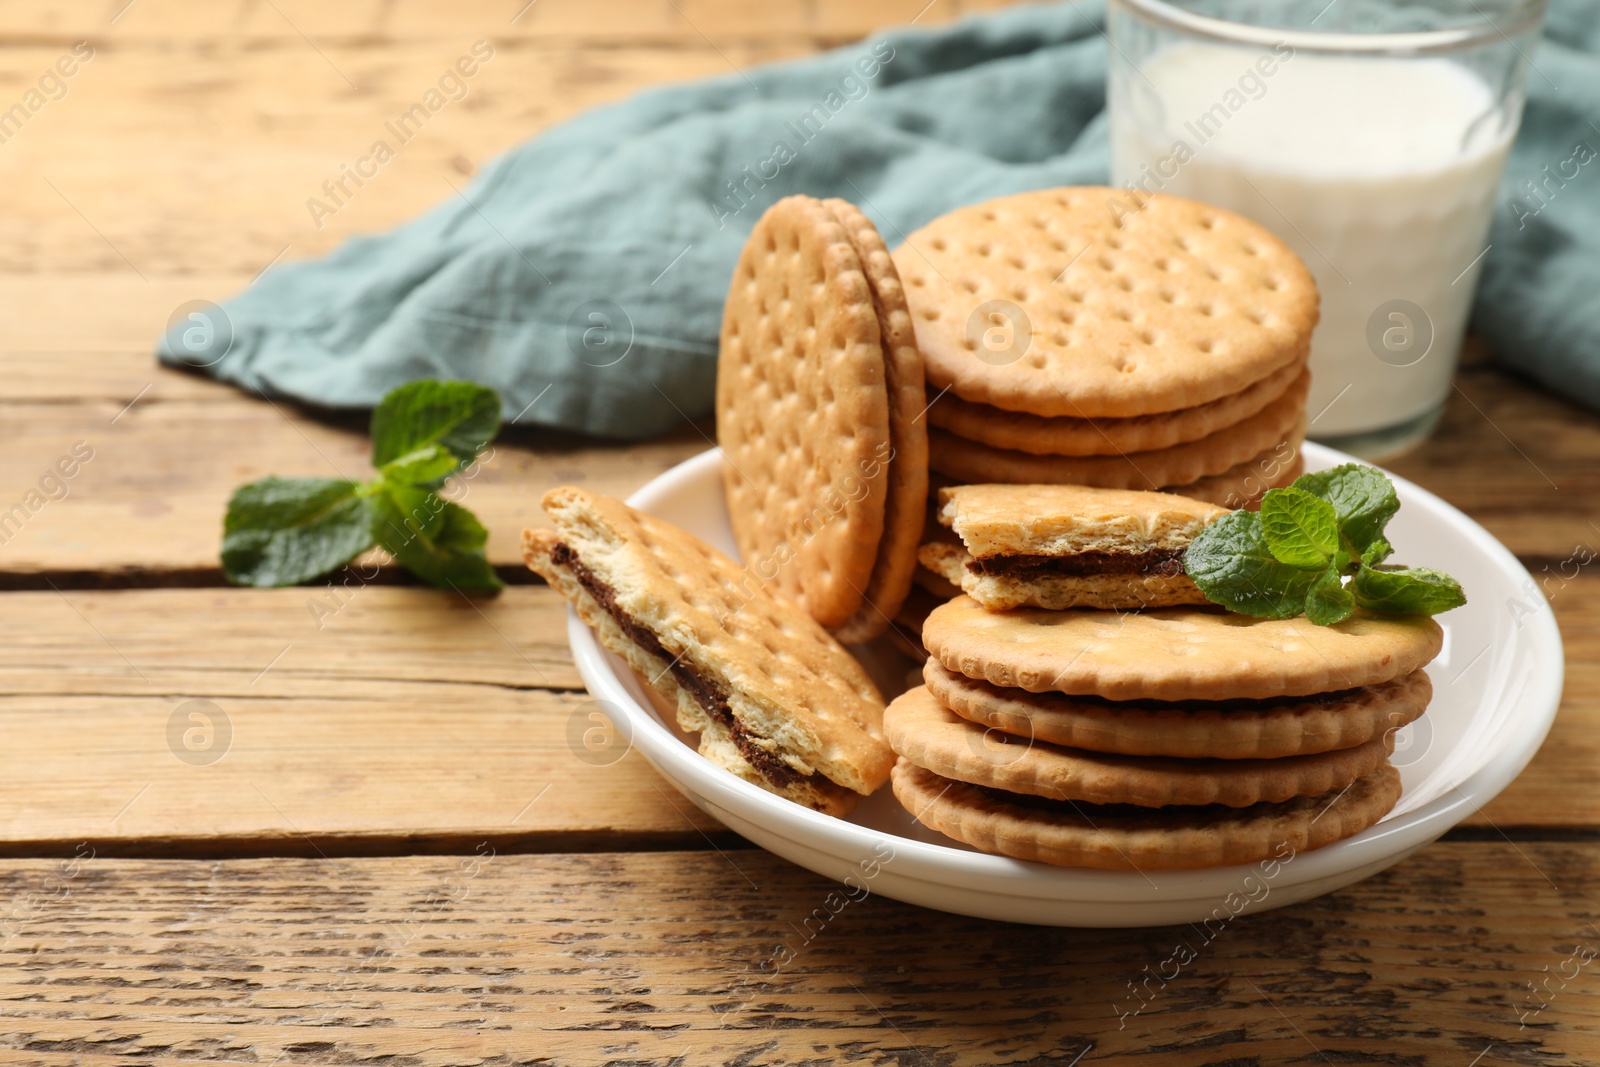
pixel 1095 302
pixel 1114 837
pixel 972 461
pixel 1237 729
pixel 775 699
pixel 1068 546
pixel 803 410
pixel 1175 653
pixel 930 735
pixel 1022 432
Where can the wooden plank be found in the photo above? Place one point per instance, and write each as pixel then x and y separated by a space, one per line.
pixel 1518 460
pixel 358 720
pixel 379 719
pixel 148 504
pixel 153 497
pixel 156 22
pixel 234 140
pixel 696 958
pixel 239 114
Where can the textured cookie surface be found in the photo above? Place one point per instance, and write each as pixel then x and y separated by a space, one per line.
pixel 1094 302
pixel 1056 520
pixel 803 410
pixel 1226 730
pixel 906 495
pixel 1117 838
pixel 1175 653
pixel 971 461
pixel 930 735
pixel 1022 432
pixel 794 694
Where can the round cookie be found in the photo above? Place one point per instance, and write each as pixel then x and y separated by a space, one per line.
pixel 930 735
pixel 1279 421
pixel 1081 835
pixel 1035 434
pixel 1095 302
pixel 1236 730
pixel 1175 653
pixel 803 410
pixel 906 500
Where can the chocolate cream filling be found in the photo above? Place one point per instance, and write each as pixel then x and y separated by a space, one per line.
pixel 1158 562
pixel 706 691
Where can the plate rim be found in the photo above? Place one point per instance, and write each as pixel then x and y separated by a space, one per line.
pixel 957 868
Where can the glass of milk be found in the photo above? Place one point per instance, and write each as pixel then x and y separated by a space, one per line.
pixel 1370 136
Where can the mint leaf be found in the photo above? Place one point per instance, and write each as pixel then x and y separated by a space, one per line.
pixel 428 466
pixel 460 416
pixel 1232 565
pixel 1363 500
pixel 284 531
pixel 1329 601
pixel 440 542
pixel 1406 591
pixel 1299 528
pixel 1376 552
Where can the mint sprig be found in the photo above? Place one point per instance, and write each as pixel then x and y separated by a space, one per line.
pixel 1316 548
pixel 284 531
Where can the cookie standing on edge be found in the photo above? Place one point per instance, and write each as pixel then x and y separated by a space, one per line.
pixel 775 699
pixel 819 385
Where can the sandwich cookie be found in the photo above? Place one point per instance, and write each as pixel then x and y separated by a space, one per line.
pixel 775 699
pixel 1281 421
pixel 1095 302
pixel 1227 729
pixel 928 734
pixel 1181 653
pixel 1067 546
pixel 1041 435
pixel 1118 837
pixel 819 389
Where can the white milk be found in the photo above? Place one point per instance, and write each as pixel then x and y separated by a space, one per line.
pixel 1379 173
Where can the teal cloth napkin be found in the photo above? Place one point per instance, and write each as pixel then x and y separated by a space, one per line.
pixel 582 274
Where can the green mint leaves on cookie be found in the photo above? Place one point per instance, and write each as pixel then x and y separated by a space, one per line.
pixel 1316 548
pixel 284 531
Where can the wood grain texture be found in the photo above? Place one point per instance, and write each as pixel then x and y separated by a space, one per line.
pixel 381 719
pixel 349 720
pixel 695 958
pixel 152 499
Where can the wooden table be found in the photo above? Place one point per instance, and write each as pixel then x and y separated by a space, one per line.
pixel 397 858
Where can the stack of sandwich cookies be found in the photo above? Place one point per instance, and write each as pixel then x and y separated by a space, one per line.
pixel 775 699
pixel 1067 546
pixel 1172 737
pixel 1096 337
pixel 819 392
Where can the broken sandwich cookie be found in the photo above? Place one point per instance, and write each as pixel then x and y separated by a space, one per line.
pixel 774 698
pixel 1066 546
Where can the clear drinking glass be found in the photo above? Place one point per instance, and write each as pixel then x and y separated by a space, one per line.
pixel 1369 135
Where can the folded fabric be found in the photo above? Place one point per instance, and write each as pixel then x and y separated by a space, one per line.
pixel 582 274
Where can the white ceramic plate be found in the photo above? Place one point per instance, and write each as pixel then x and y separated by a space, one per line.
pixel 1497 684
